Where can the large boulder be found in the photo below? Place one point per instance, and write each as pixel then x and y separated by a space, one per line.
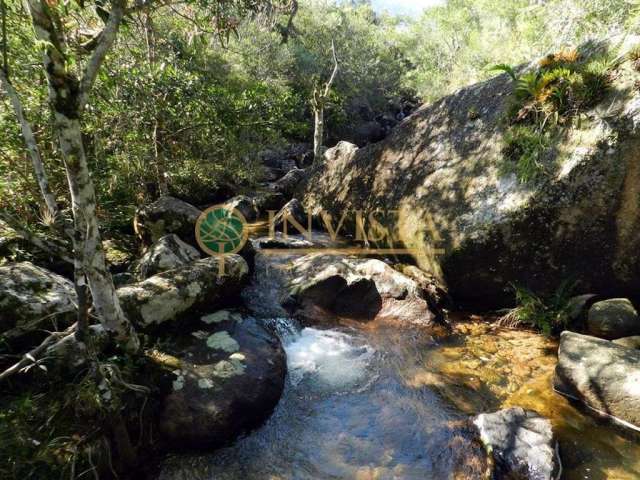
pixel 291 211
pixel 522 444
pixel 287 185
pixel 324 288
pixel 166 254
pixel 166 215
pixel 279 161
pixel 367 132
pixel 613 318
pixel 602 375
pixel 268 200
pixel 442 171
pixel 245 205
pixel 228 376
pixel 30 294
pixel 191 288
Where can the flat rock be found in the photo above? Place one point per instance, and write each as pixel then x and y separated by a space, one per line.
pixel 522 444
pixel 191 288
pixel 29 293
pixel 628 342
pixel 602 375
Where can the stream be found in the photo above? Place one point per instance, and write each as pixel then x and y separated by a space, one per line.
pixel 373 401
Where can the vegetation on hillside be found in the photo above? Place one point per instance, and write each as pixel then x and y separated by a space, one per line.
pixel 173 96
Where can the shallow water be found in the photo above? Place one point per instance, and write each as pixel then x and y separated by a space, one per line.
pixel 481 367
pixel 346 413
pixel 380 402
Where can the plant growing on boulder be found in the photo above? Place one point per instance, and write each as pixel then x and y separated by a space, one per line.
pixel 563 86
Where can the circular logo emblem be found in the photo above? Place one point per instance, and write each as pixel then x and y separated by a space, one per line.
pixel 221 230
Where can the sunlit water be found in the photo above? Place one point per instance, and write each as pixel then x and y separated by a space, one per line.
pixel 378 402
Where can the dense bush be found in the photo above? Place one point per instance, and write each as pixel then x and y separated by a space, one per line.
pixel 548 314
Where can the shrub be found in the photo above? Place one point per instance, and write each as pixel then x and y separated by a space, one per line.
pixel 550 315
pixel 634 57
pixel 564 85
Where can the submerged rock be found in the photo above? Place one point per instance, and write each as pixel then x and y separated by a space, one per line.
pixel 613 318
pixel 326 287
pixel 522 444
pixel 29 294
pixel 194 287
pixel 166 254
pixel 164 216
pixel 602 375
pixel 279 241
pixel 443 173
pixel 229 377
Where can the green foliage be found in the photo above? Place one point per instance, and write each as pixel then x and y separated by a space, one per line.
pixel 550 314
pixel 176 97
pixel 508 69
pixel 525 148
pixel 453 44
pixel 57 427
pixel 562 87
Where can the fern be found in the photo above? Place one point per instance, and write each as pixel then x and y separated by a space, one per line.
pixel 508 69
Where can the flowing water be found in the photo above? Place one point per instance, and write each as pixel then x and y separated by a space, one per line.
pixel 379 402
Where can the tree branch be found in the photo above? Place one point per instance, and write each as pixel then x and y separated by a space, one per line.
pixel 31 144
pixel 335 70
pixel 44 245
pixel 104 43
pixel 30 357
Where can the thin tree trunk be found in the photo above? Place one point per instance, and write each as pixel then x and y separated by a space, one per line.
pixel 318 102
pixel 158 158
pixel 68 96
pixel 161 174
pixel 32 145
pixel 318 132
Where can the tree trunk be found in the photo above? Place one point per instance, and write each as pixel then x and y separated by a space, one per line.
pixel 67 96
pixel 161 174
pixel 158 156
pixel 318 102
pixel 318 132
pixel 88 251
pixel 31 144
